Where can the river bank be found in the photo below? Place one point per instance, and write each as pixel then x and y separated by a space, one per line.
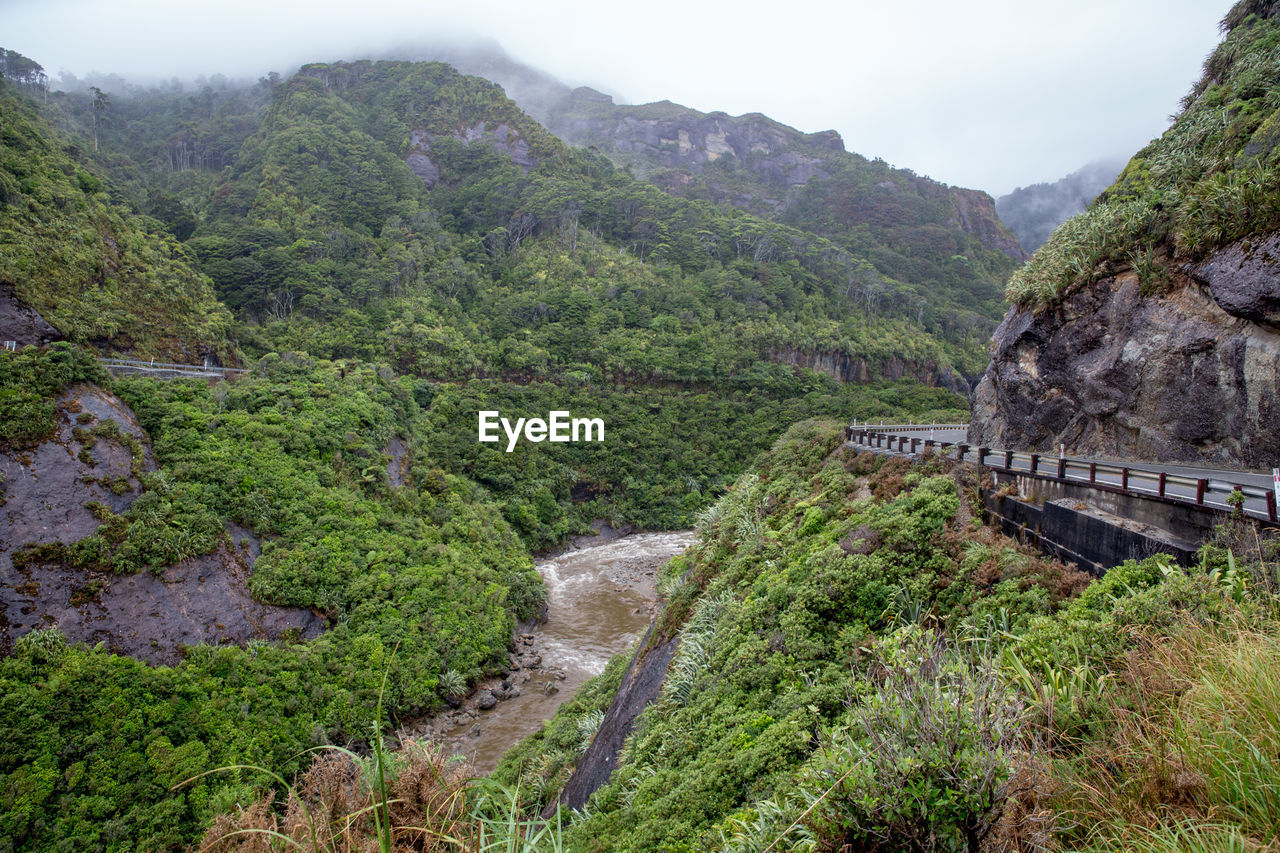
pixel 601 600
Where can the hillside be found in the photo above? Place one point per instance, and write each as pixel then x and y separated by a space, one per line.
pixel 212 573
pixel 1147 327
pixel 848 659
pixel 75 252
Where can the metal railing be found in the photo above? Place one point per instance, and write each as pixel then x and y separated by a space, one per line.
pixel 169 367
pixel 883 427
pixel 1215 490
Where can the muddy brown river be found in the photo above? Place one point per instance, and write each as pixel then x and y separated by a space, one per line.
pixel 600 603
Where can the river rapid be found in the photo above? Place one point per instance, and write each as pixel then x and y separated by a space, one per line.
pixel 600 602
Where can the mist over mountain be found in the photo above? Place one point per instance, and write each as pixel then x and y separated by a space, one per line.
pixel 1033 212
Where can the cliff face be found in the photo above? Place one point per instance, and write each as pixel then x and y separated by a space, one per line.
pixel 667 135
pixel 754 162
pixel 46 496
pixel 974 212
pixel 1189 376
pixel 1148 326
pixel 846 368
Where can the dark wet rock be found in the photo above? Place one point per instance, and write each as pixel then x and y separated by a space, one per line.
pixel 46 494
pixel 1110 372
pixel 22 325
pixel 486 700
pixel 1244 279
pixel 640 686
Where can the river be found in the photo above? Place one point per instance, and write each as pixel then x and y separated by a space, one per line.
pixel 600 603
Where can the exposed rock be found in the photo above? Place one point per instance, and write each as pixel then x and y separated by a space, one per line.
pixel 640 686
pixel 21 324
pixel 846 368
pixel 1109 372
pixel 486 700
pixel 46 493
pixel 503 137
pixel 1244 279
pixel 975 212
pixel 397 454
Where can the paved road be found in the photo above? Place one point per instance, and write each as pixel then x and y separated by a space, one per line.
pixel 1143 476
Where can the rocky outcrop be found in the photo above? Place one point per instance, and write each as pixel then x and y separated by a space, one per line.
pixel 45 497
pixel 669 136
pixel 975 212
pixel 1244 279
pixel 502 137
pixel 1192 375
pixel 22 325
pixel 640 686
pixel 847 368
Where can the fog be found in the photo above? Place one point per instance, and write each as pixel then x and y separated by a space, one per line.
pixel 992 94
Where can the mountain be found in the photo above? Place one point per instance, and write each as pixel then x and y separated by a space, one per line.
pixel 911 227
pixel 78 262
pixel 1146 327
pixel 1033 212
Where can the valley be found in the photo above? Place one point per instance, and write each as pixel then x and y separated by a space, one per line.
pixel 497 490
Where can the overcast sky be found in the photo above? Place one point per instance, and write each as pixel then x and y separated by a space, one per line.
pixel 991 94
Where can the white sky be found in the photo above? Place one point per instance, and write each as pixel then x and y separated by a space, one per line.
pixel 990 94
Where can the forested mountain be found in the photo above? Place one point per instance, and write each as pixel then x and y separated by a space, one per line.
pixel 1033 212
pixel 910 227
pixel 75 252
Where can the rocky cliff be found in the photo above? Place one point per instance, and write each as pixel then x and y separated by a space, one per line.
pixel 48 494
pixel 1191 375
pixel 754 162
pixel 1148 326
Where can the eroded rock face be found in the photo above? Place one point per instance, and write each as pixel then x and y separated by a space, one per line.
pixel 502 137
pixel 21 324
pixel 1109 372
pixel 846 368
pixel 46 492
pixel 1244 279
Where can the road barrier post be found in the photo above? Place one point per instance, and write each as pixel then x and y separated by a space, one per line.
pixel 1201 485
pixel 1163 478
pixel 1124 479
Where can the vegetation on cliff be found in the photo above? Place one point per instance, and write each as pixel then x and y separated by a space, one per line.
pixel 1213 177
pixel 294 453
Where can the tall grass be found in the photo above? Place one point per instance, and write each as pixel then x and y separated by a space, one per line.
pixel 1229 728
